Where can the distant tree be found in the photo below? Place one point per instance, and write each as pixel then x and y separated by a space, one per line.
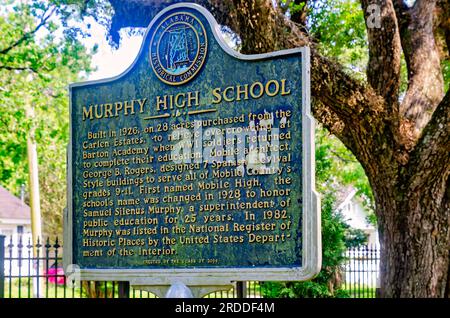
pixel 39 56
pixel 355 237
pixel 328 283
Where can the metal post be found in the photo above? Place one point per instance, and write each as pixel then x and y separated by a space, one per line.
pixel 2 266
pixel 377 262
pixel 124 289
pixel 35 205
pixel 179 290
pixel 377 289
pixel 241 289
pixel 36 229
pixel 35 209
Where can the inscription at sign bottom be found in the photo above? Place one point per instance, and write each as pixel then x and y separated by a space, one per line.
pixel 196 163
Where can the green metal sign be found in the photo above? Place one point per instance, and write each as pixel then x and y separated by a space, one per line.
pixel 195 164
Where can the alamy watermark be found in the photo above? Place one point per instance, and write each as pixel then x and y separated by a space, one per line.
pixel 73 276
pixel 253 150
pixel 374 17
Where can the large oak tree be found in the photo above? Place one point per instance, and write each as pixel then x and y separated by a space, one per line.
pixel 401 140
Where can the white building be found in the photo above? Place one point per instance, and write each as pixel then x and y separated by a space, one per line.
pixel 15 222
pixel 363 265
pixel 355 215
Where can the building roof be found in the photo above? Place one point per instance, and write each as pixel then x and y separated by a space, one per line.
pixel 344 194
pixel 12 207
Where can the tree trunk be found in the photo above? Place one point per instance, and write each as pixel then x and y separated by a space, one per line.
pixel 414 241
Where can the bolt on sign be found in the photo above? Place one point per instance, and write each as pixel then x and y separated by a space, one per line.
pixel 196 164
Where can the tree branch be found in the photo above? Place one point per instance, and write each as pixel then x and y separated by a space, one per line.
pixel 403 14
pixel 430 158
pixel 425 86
pixel 441 25
pixel 444 5
pixel 350 109
pixel 18 68
pixel 383 72
pixel 28 35
pixel 349 99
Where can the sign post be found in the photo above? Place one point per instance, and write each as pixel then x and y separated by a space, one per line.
pixel 195 167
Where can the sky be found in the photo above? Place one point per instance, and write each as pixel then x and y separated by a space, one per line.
pixel 109 62
pixel 112 62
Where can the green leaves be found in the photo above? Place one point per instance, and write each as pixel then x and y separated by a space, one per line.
pixel 336 164
pixel 339 27
pixel 37 62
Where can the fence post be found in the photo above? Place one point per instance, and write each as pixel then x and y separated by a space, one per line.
pixel 241 289
pixel 377 288
pixel 2 266
pixel 124 289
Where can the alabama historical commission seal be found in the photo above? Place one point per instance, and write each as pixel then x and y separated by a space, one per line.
pixel 178 48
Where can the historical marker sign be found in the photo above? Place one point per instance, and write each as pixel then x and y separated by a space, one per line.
pixel 196 164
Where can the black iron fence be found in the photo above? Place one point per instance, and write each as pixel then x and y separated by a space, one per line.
pixel 25 273
pixel 361 271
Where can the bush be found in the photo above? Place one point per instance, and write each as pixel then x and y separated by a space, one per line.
pixel 329 281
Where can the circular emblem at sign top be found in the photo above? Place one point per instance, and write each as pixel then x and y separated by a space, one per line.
pixel 178 48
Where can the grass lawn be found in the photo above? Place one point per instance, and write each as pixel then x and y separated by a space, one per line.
pixel 23 288
pixel 361 291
